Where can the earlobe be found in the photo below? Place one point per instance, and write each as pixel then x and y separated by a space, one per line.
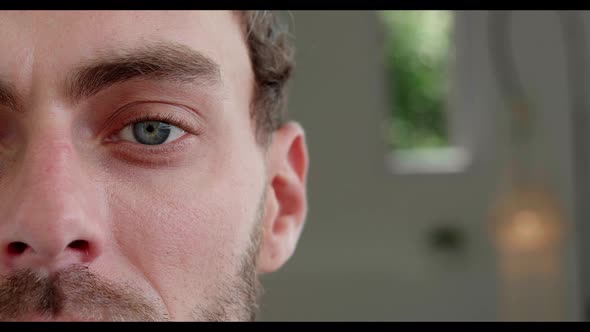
pixel 286 200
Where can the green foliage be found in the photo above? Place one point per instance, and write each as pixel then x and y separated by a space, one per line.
pixel 418 54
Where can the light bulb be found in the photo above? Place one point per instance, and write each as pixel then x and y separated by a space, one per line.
pixel 527 220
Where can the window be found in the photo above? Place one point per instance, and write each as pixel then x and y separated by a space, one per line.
pixel 419 57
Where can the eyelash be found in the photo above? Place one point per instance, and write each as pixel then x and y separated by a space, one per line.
pixel 167 118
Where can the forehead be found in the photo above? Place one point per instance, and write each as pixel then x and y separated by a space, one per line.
pixel 39 44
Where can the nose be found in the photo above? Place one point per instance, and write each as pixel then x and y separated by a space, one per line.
pixel 52 218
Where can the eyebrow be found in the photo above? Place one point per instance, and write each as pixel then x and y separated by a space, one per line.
pixel 8 96
pixel 157 61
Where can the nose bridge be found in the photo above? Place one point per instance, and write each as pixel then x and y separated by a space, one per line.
pixel 48 178
pixel 47 197
pixel 48 165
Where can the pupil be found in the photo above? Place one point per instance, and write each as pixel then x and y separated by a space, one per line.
pixel 150 128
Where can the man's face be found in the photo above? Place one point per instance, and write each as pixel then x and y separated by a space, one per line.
pixel 132 183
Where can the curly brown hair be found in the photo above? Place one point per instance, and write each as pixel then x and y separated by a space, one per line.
pixel 272 58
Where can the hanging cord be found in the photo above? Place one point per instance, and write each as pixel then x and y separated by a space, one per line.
pixel 512 91
pixel 504 68
pixel 512 88
pixel 511 85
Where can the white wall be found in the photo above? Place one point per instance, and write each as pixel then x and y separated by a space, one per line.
pixel 364 254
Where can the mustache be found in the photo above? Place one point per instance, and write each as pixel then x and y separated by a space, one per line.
pixel 72 292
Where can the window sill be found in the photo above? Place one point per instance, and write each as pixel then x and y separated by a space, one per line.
pixel 428 161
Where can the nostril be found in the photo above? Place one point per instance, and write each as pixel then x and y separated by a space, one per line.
pixel 17 248
pixel 81 245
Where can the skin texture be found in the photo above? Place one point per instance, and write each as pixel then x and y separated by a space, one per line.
pixel 97 227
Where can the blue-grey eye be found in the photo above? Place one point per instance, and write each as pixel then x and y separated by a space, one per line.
pixel 151 132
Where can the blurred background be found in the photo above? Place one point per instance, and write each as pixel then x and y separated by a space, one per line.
pixel 449 152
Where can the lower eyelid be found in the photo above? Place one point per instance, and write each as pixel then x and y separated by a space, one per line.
pixel 152 155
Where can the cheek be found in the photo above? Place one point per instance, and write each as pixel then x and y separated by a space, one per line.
pixel 183 231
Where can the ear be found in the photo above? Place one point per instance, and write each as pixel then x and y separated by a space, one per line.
pixel 286 199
